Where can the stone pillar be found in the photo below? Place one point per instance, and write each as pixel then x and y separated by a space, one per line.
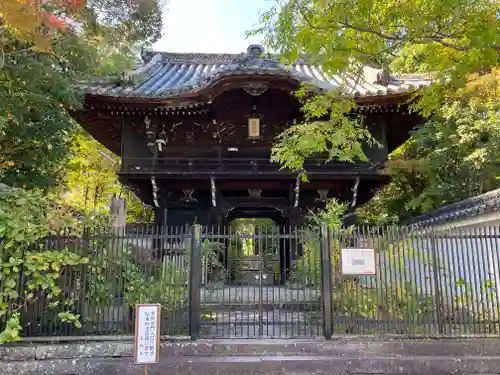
pixel 117 214
pixel 116 246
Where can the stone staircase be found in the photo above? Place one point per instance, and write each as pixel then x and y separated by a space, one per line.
pixel 253 272
pixel 368 355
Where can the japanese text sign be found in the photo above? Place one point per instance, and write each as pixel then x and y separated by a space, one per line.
pixel 358 261
pixel 254 127
pixel 147 334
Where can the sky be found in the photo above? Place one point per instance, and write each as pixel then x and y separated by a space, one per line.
pixel 210 26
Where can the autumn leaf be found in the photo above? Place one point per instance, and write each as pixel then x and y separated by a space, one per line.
pixel 26 19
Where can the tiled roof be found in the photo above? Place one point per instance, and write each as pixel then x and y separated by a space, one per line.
pixel 171 74
pixel 475 206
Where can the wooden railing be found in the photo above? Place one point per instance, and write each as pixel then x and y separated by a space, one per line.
pixel 238 166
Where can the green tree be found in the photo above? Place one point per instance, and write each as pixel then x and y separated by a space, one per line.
pixel 136 22
pixel 452 40
pixel 90 180
pixel 90 176
pixel 24 218
pixel 41 64
pixel 453 156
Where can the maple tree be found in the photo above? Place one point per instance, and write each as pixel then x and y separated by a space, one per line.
pixel 453 156
pixel 35 20
pixel 48 46
pixel 449 40
pixel 454 42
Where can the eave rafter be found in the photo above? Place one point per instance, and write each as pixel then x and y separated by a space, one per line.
pixel 107 130
pixel 117 107
pixel 176 108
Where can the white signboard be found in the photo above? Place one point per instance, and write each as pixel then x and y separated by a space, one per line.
pixel 147 334
pixel 358 261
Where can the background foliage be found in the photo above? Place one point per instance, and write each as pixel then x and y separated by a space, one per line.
pixel 451 157
pixel 455 43
pixel 53 175
pixel 49 46
pixel 27 273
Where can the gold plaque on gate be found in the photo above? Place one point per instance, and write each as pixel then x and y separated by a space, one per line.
pixel 254 128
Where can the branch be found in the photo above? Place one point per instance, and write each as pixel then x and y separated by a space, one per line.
pixel 421 39
pixel 386 50
pixel 449 45
pixel 438 37
pixel 456 46
pixel 371 31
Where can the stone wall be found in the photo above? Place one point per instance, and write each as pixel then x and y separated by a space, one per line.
pixel 210 357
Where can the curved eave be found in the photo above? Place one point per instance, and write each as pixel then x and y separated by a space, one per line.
pixel 204 91
pixel 107 131
pixel 198 98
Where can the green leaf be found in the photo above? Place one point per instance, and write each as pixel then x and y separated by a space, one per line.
pixel 10 283
pixel 453 153
pixel 13 294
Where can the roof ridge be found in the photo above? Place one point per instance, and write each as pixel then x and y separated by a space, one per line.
pixel 169 53
pixel 208 57
pixel 226 57
pixel 231 57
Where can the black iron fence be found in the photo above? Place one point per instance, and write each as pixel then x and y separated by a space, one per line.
pixel 427 282
pixel 275 282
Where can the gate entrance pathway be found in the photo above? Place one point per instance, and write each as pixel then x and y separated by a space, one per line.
pixel 260 286
pixel 260 311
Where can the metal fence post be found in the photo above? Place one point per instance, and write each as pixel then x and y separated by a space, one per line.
pixel 195 282
pixel 435 269
pixel 326 280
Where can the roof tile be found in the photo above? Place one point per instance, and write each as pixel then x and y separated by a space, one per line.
pixel 168 74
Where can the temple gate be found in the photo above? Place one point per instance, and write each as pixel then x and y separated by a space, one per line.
pixel 194 133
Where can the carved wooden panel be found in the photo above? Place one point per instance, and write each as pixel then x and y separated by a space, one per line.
pixel 227 124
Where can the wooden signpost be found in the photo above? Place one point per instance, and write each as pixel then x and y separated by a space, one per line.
pixel 147 335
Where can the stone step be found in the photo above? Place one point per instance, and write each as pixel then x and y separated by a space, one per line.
pixel 258 324
pixel 266 306
pixel 267 317
pixel 367 355
pixel 327 365
pixel 256 331
pixel 275 294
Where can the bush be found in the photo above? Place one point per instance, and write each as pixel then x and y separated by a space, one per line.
pixel 28 272
pixel 351 297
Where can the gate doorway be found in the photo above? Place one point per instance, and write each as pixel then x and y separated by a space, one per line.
pixel 261 283
pixel 253 253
